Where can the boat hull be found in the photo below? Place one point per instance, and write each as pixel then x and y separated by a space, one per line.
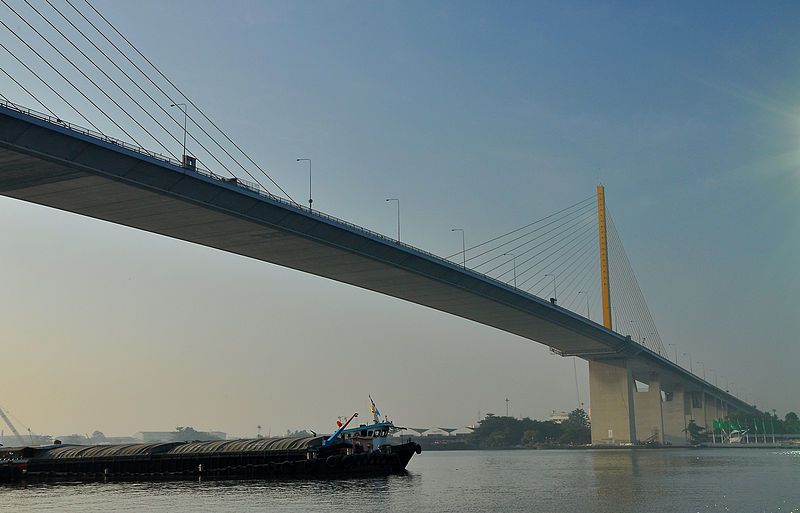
pixel 331 463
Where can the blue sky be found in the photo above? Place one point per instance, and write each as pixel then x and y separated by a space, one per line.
pixel 476 114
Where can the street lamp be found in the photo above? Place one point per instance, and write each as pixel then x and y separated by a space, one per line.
pixel 638 330
pixel 309 181
pixel 182 106
pixel 514 259
pixel 555 294
pixel 587 302
pixel 463 245
pixel 704 370
pixel 690 361
pixel 398 216
pixel 676 352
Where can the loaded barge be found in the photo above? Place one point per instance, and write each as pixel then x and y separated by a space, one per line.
pixel 359 451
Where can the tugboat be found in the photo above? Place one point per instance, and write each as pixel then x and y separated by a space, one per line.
pixel 365 450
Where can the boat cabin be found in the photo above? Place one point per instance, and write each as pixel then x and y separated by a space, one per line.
pixel 368 438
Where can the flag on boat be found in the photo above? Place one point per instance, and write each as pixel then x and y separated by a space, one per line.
pixel 372 408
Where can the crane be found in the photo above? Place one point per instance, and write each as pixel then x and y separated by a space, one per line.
pixel 13 429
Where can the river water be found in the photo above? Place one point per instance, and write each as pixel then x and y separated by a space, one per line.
pixel 586 481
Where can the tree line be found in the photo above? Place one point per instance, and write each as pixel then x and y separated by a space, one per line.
pixel 497 432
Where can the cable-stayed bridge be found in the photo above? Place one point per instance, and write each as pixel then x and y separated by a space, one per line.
pixel 533 281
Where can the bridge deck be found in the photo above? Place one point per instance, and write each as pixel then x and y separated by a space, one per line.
pixel 48 164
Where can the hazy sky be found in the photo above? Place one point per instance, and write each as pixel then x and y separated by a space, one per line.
pixel 476 115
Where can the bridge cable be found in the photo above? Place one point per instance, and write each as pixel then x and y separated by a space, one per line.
pixel 621 282
pixel 591 294
pixel 578 278
pixel 62 76
pixel 635 294
pixel 24 89
pixel 523 227
pixel 559 237
pixel 190 135
pixel 582 246
pixel 635 303
pixel 184 96
pixel 564 243
pixel 579 211
pixel 46 83
pixel 157 140
pixel 579 247
pixel 574 262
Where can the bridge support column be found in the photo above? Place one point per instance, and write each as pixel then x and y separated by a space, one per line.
pixel 674 410
pixel 649 416
pixel 611 390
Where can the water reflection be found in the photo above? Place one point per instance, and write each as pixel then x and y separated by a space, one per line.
pixel 598 481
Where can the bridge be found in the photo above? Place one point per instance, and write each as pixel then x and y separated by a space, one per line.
pixel 48 161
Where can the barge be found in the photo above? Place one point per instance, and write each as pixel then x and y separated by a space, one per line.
pixel 366 450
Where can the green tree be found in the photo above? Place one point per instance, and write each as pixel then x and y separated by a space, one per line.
pixel 577 428
pixel 791 423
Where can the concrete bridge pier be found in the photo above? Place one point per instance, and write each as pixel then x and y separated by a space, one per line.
pixel 674 409
pixel 624 412
pixel 611 391
pixel 649 410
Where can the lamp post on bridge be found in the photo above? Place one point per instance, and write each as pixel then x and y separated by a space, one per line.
pixel 715 375
pixel 588 316
pixel 309 181
pixel 676 352
pixel 555 293
pixel 463 245
pixel 690 361
pixel 704 370
pixel 182 106
pixel 638 330
pixel 514 259
pixel 398 216
pixel 616 319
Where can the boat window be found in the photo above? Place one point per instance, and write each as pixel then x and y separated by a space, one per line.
pixel 369 433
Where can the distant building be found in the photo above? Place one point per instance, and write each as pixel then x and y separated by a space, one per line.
pixel 154 436
pixel 558 417
pixel 74 439
pixel 435 432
